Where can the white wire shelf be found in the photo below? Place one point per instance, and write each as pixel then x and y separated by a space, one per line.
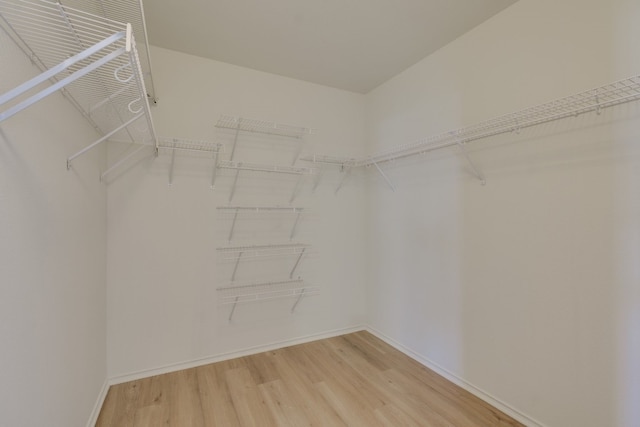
pixel 260 210
pixel 130 11
pixel 233 253
pixel 256 167
pixel 238 294
pixel 266 291
pixel 329 160
pixel 180 144
pixel 262 126
pixel 198 147
pixel 594 100
pixel 91 59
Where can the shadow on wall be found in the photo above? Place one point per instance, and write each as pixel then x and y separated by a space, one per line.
pixel 543 269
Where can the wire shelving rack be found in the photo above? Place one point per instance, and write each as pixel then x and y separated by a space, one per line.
pixel 594 100
pixel 92 60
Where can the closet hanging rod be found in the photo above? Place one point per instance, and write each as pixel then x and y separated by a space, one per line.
pixel 43 77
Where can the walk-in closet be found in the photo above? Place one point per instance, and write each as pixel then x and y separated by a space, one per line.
pixel 335 213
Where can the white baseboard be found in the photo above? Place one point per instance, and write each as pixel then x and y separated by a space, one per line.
pixel 230 355
pixel 476 391
pixel 95 413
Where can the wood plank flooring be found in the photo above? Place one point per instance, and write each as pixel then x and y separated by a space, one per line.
pixel 351 380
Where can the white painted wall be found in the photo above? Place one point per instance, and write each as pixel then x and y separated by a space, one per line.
pixel 527 288
pixel 52 261
pixel 162 262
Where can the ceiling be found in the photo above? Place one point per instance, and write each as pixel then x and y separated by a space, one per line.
pixel 348 44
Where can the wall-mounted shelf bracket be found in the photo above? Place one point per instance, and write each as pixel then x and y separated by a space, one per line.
pixel 235 268
pixel 173 162
pixel 386 178
pixel 214 170
pixel 101 140
pixel 295 225
pixel 476 171
pixel 235 182
pixel 296 189
pixel 346 172
pixel 233 308
pixel 124 159
pixel 295 266
pixel 235 142
pixel 317 180
pixel 300 295
pixel 233 224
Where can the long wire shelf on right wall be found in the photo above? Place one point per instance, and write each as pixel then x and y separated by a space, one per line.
pixel 594 100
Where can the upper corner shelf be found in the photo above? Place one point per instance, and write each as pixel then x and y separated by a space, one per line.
pixel 261 126
pixel 91 59
pixel 130 11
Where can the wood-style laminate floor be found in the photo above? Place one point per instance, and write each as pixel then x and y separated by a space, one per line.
pixel 352 380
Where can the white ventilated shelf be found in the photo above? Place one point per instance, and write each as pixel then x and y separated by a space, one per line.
pixel 330 160
pixel 130 11
pixel 260 209
pixel 180 144
pixel 235 294
pixel 91 59
pixel 233 253
pixel 594 100
pixel 257 167
pixel 262 126
pixel 235 211
pixel 245 293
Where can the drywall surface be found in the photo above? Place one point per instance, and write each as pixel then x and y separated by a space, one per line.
pixel 163 261
pixel 53 260
pixel 526 288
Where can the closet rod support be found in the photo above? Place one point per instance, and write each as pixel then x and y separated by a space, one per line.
pixel 101 140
